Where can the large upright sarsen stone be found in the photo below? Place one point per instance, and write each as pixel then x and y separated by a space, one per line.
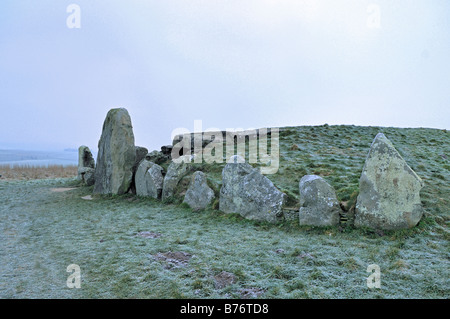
pixel 116 154
pixel 247 192
pixel 149 179
pixel 86 166
pixel 175 172
pixel 388 190
pixel 199 195
pixel 319 205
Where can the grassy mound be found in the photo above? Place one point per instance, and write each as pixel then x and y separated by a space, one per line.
pixel 337 153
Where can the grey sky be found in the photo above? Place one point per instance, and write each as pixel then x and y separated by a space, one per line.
pixel 231 64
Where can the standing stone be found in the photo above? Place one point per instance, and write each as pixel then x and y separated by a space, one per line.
pixel 249 193
pixel 141 152
pixel 154 180
pixel 149 179
pixel 139 179
pixel 86 175
pixel 388 190
pixel 85 158
pixel 86 166
pixel 199 195
pixel 318 202
pixel 175 172
pixel 116 154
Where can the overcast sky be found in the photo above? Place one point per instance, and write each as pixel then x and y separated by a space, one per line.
pixel 232 64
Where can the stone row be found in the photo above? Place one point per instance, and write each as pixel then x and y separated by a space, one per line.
pixel 389 190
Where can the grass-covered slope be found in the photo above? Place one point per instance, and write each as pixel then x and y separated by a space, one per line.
pixel 43 230
pixel 338 153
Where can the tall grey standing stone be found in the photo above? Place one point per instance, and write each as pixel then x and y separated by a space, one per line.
pixel 149 179
pixel 86 166
pixel 141 152
pixel 116 154
pixel 199 195
pixel 389 190
pixel 318 202
pixel 247 192
pixel 176 170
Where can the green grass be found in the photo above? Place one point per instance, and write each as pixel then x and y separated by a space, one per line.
pixel 42 232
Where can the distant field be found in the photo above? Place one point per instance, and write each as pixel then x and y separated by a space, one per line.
pixel 123 243
pixel 26 172
pixel 25 165
pixel 38 158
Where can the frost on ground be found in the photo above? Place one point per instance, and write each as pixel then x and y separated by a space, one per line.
pixel 148 234
pixel 111 239
pixel 114 238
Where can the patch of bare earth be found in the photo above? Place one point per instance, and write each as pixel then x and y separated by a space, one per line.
pixel 224 279
pixel 175 259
